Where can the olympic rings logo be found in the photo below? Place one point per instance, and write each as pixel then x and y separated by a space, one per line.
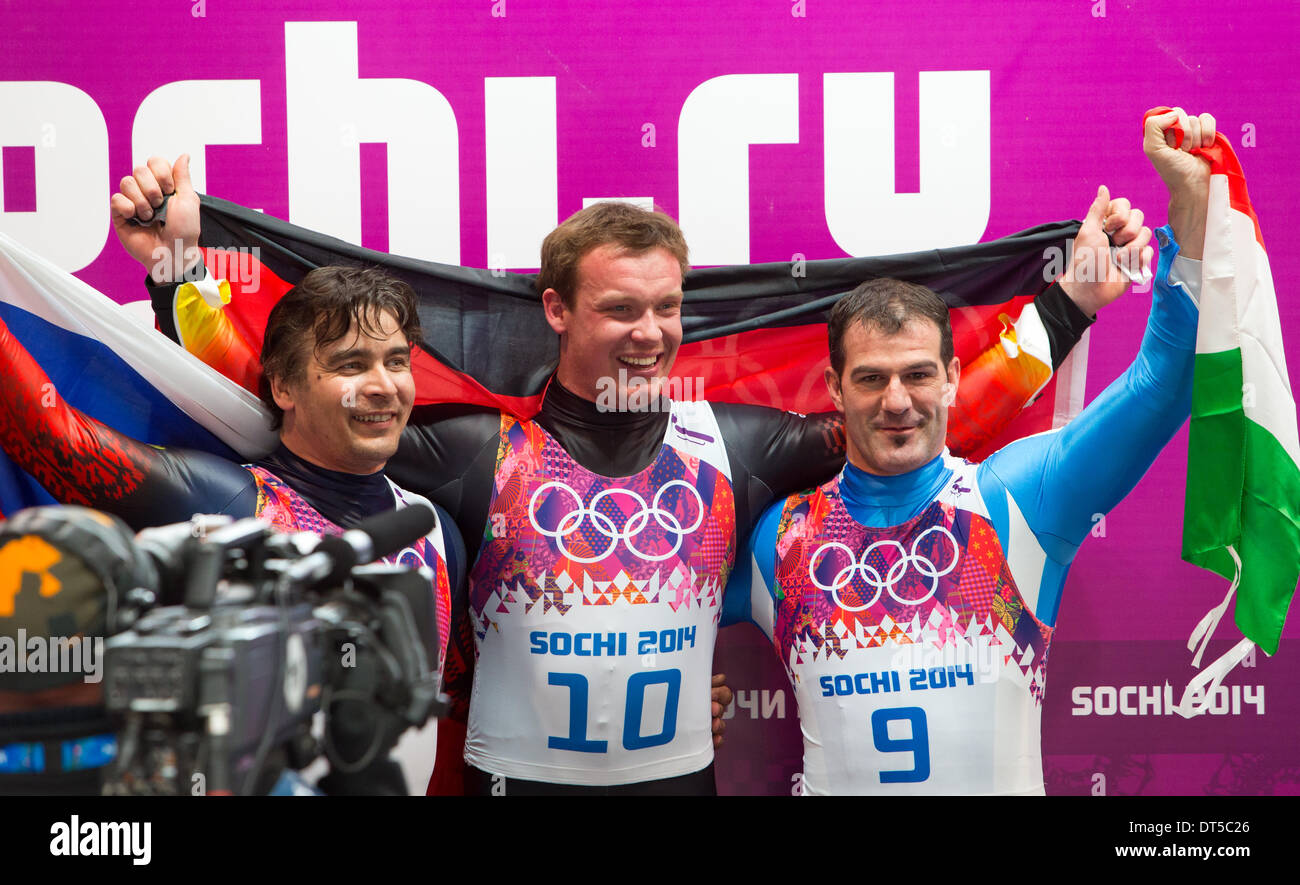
pixel 844 576
pixel 605 526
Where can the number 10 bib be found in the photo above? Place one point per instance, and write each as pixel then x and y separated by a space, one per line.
pixel 595 603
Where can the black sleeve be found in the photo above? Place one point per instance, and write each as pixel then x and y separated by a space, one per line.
pixel 448 454
pixel 144 485
pixel 1064 321
pixel 775 453
pixel 162 298
pixel 183 482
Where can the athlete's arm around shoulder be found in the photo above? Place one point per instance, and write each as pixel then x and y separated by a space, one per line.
pixel 447 453
pixel 784 451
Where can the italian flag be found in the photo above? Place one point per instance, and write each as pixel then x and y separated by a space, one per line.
pixel 1242 514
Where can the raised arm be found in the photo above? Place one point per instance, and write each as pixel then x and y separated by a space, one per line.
pixel 1061 480
pixel 187 303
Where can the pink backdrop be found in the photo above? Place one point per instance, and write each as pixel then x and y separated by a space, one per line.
pixel 529 108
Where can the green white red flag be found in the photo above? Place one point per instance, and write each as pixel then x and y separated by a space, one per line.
pixel 1242 512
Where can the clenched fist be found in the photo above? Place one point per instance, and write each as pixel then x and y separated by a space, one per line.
pixel 166 250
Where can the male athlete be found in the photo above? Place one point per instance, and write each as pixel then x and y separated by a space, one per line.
pixel 601 540
pixel 337 364
pixel 339 387
pixel 912 598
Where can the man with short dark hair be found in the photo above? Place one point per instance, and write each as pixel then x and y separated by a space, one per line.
pixel 912 598
pixel 337 348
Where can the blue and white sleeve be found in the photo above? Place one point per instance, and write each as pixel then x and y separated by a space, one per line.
pixel 750 593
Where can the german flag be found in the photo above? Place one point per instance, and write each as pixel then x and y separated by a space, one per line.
pixel 752 333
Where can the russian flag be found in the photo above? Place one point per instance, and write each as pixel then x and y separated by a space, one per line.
pixel 105 363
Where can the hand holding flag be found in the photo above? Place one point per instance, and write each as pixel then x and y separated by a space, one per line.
pixel 1172 141
pixel 1243 453
pixel 1093 280
pixel 154 245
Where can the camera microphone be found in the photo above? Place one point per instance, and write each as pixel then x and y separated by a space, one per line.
pixel 373 538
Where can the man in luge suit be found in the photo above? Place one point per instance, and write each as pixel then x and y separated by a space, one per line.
pixel 337 359
pixel 913 597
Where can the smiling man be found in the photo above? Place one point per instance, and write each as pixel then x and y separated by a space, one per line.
pixel 617 309
pixel 337 365
pixel 899 386
pixel 362 362
pixel 912 599
pixel 600 539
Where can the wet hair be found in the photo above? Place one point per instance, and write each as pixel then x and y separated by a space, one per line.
pixel 322 309
pixel 632 229
pixel 888 305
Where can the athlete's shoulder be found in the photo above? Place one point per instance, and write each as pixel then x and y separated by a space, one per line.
pixel 1019 468
pixel 772 521
pixel 792 510
pixel 440 442
pixel 453 419
pixel 406 498
pixel 960 468
pixel 830 488
pixel 748 415
pixel 444 536
pixel 693 429
pixel 966 486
